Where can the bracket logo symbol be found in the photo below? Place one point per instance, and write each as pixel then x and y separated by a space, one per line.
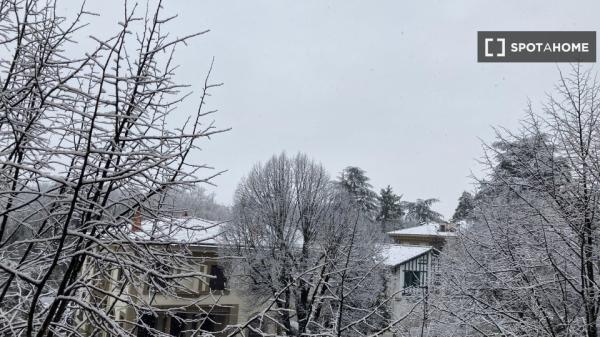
pixel 502 53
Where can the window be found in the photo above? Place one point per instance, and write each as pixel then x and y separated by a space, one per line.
pixel 412 278
pixel 145 324
pixel 183 324
pixel 158 283
pixel 219 281
pixel 214 322
pixel 177 324
pixel 186 324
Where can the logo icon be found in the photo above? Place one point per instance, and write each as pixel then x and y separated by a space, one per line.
pixel 502 52
pixel 536 46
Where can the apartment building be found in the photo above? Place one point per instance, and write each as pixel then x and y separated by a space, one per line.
pixel 207 303
pixel 414 262
pixel 213 304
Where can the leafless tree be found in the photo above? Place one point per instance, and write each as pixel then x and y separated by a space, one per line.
pixel 306 256
pixel 529 264
pixel 85 143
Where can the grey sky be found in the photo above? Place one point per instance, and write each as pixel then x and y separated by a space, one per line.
pixel 390 86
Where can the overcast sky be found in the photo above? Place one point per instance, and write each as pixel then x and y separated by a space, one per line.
pixel 390 86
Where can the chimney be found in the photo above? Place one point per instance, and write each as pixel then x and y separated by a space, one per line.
pixel 136 225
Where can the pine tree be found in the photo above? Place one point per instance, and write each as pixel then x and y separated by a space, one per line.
pixel 355 181
pixel 465 207
pixel 420 211
pixel 390 209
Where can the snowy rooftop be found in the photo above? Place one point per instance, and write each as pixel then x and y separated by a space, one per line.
pixel 396 254
pixel 181 230
pixel 429 229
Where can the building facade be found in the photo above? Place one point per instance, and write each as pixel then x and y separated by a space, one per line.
pixel 208 303
pixel 212 304
pixel 413 259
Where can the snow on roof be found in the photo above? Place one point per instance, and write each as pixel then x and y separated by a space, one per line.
pixel 429 229
pixel 181 230
pixel 394 255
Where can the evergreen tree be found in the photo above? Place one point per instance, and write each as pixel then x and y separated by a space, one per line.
pixel 355 181
pixel 513 161
pixel 390 209
pixel 420 211
pixel 465 207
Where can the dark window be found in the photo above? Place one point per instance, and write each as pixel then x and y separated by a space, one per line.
pixel 214 322
pixel 219 281
pixel 158 283
pixel 184 323
pixel 146 322
pixel 412 278
pixel 177 325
